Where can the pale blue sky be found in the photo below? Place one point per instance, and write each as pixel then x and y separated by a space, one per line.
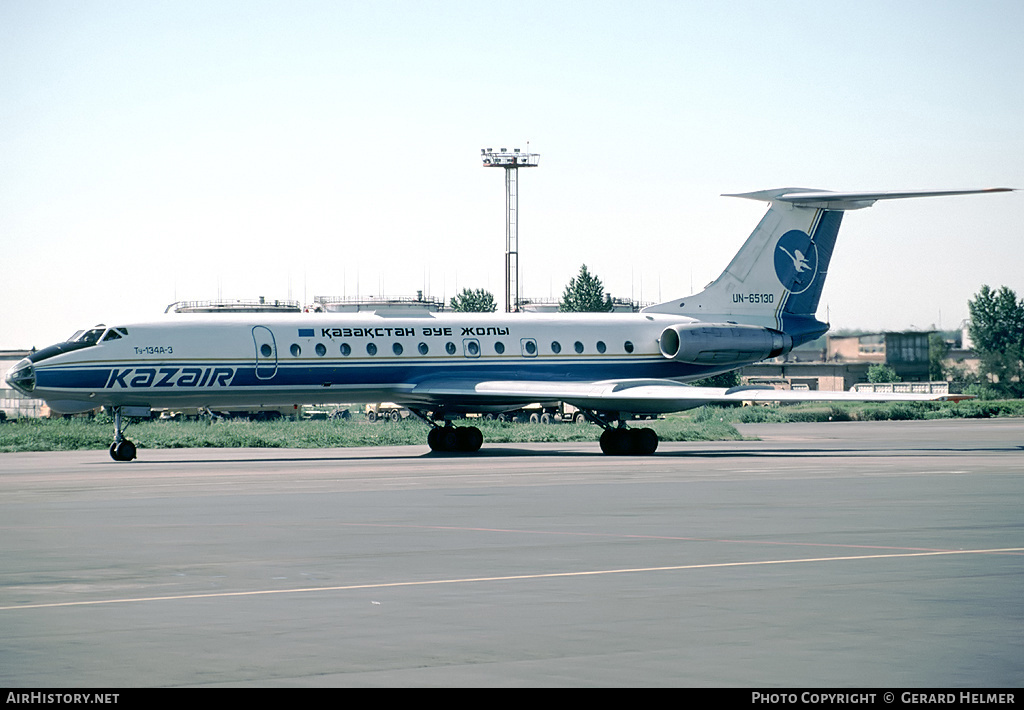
pixel 154 151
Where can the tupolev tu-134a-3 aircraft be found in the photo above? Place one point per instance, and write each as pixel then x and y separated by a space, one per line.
pixel 440 365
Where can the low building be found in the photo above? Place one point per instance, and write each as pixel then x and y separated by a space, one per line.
pixel 827 376
pixel 550 305
pixel 845 362
pixel 906 352
pixel 235 306
pixel 391 304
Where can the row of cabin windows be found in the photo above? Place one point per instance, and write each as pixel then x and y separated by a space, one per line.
pixel 472 348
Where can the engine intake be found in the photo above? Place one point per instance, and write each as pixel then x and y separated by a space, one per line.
pixel 722 343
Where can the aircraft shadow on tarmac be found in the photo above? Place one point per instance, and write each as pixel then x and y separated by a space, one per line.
pixel 909 449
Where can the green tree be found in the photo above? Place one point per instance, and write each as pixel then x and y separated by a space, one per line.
pixel 997 334
pixel 882 373
pixel 474 301
pixel 585 294
pixel 937 351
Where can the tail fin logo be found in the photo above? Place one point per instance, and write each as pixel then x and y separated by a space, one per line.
pixel 799 260
pixel 796 261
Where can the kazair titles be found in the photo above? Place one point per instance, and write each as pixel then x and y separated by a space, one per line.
pixel 169 377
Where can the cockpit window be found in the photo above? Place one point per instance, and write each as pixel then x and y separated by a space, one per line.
pixel 112 334
pixel 81 339
pixel 91 336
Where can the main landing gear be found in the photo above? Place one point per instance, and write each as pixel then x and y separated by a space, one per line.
pixel 467 439
pixel 449 438
pixel 629 442
pixel 122 449
pixel 620 441
pixel 616 440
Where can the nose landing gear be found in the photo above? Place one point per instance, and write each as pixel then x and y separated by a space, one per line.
pixel 122 449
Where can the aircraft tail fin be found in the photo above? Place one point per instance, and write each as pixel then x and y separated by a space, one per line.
pixel 776 278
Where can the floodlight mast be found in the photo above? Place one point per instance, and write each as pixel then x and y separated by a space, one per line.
pixel 511 161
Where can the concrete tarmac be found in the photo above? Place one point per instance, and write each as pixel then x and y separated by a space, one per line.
pixel 886 555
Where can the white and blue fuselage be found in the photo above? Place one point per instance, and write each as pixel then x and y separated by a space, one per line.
pixel 221 360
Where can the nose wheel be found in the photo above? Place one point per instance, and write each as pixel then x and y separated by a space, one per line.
pixel 122 449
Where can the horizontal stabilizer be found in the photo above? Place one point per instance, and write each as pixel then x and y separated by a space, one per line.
pixel 823 199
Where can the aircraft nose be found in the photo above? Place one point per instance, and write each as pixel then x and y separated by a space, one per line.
pixel 22 376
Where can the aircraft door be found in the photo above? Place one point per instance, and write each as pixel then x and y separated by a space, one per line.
pixel 266 352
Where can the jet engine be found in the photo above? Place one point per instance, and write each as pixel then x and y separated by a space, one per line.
pixel 722 343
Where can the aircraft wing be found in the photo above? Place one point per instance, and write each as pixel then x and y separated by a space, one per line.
pixel 637 396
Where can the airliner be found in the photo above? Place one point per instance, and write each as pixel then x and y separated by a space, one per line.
pixel 612 366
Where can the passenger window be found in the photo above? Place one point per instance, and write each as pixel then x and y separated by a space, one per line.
pixel 449 348
pixel 296 350
pixel 371 348
pixel 556 347
pixel 423 349
pixel 499 348
pixel 266 350
pixel 346 349
pixel 578 346
pixel 529 347
pixel 397 348
pixel 321 349
pixel 471 347
pixel 629 346
pixel 601 347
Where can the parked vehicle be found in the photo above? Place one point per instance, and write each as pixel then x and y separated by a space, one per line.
pixel 386 411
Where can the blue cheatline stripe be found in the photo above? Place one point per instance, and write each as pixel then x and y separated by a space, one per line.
pixel 243 374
